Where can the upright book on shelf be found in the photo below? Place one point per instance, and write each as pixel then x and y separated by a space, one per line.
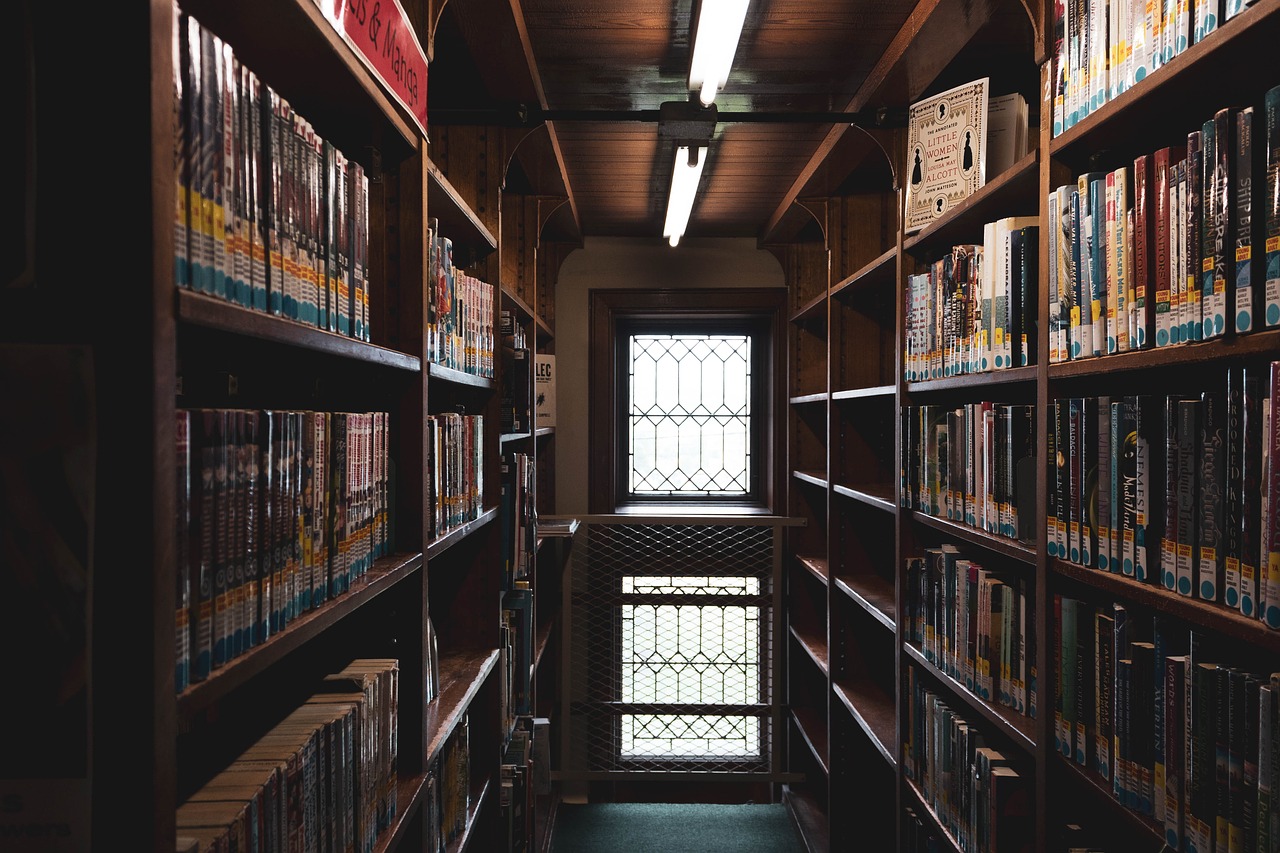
pixel 946 143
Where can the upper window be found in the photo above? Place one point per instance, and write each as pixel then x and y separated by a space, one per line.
pixel 689 415
pixel 680 408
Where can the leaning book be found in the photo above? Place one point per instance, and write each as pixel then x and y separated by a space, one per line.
pixel 946 142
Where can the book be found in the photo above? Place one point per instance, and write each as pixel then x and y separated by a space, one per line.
pixel 1212 487
pixel 1192 314
pixel 1142 322
pixel 1249 241
pixel 1252 479
pixel 1216 230
pixel 946 144
pixel 1271 207
pixel 1164 241
pixel 1272 508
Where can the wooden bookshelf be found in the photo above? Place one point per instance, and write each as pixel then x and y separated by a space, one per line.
pixel 917 801
pixel 813 478
pixel 408 804
pixel 812 726
pixel 877 273
pixel 878 392
pixel 1016 728
pixel 451 538
pixel 461 675
pixel 383 578
pixel 805 399
pixel 1170 361
pixel 1021 551
pixel 878 497
pixel 976 381
pixel 1096 793
pixel 874 711
pixel 816 566
pixel 440 373
pixel 809 817
pixel 1014 190
pixel 814 646
pixel 872 593
pixel 458 220
pixel 476 804
pixel 811 312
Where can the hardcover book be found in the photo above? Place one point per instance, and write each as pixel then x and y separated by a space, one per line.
pixel 946 142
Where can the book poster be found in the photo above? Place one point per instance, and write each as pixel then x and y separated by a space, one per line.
pixel 946 142
pixel 544 391
pixel 46 542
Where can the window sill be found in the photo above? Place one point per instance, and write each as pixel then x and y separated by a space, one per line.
pixel 718 510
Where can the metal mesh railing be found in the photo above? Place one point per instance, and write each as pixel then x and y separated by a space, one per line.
pixel 670 637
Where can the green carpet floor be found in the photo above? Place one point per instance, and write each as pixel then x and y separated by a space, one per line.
pixel 673 828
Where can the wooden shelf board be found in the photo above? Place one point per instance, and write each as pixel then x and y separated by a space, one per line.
pixel 458 221
pixel 878 497
pixel 1012 376
pixel 1215 617
pixel 875 392
pixel 463 841
pixel 813 311
pixel 208 312
pixel 926 814
pixel 408 801
pixel 513 437
pixel 461 675
pixel 814 731
pixel 320 75
pixel 813 478
pixel 540 643
pixel 439 372
pixel 1017 728
pixel 815 647
pixel 1014 191
pixel 544 432
pixel 511 299
pixel 809 818
pixel 803 399
pixel 873 594
pixel 873 711
pixel 880 272
pixel 817 567
pixel 1098 792
pixel 974 536
pixel 1264 343
pixel 1176 97
pixel 443 543
pixel 384 575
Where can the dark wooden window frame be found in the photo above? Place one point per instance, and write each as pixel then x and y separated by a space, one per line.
pixel 614 312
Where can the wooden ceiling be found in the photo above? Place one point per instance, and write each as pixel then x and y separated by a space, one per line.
pixel 597 69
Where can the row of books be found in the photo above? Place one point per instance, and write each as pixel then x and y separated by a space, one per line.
pixel 323 778
pixel 1182 733
pixel 460 311
pixel 918 837
pixel 516 633
pixel 974 465
pixel 518 517
pixel 517 377
pixel 975 624
pixel 455 470
pixel 974 309
pixel 1206 459
pixel 1174 248
pixel 278 512
pixel 516 792
pixel 979 794
pixel 1103 48
pixel 268 214
pixel 453 771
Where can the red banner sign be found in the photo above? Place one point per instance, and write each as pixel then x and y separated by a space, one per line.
pixel 380 32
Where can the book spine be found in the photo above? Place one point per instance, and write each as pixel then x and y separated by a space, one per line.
pixel 1098 244
pixel 1222 759
pixel 1122 250
pixel 1055 272
pixel 1219 218
pixel 1175 679
pixel 1272 508
pixel 1158 205
pixel 1233 494
pixel 1081 322
pixel 1075 471
pixel 1111 275
pixel 1104 684
pixel 1202 773
pixel 1262 817
pixel 182 550
pixel 1104 484
pixel 1212 487
pixel 1245 306
pixel 1188 426
pixel 1148 483
pixel 1062 475
pixel 1271 209
pixel 1197 156
pixel 1252 478
pixel 1169 541
pixel 1067 627
pixel 1178 305
pixel 1089 482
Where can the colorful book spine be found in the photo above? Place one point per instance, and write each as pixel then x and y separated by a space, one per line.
pixel 1272 508
pixel 1122 249
pixel 1111 274
pixel 1219 211
pixel 1098 248
pixel 1178 305
pixel 1157 203
pixel 1252 478
pixel 1188 431
pixel 1105 485
pixel 1078 331
pixel 1211 516
pixel 1247 232
pixel 1104 685
pixel 1271 207
pixel 1233 494
pixel 1193 304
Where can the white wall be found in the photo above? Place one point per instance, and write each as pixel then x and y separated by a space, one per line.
pixel 615 262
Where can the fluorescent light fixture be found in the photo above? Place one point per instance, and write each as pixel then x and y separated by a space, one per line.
pixel 719 26
pixel 684 186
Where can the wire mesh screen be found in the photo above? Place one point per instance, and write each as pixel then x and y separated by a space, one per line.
pixel 670 648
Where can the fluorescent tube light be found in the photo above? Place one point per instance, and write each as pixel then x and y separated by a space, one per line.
pixel 684 186
pixel 714 44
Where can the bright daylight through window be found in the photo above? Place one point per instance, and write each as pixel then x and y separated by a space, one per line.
pixel 689 416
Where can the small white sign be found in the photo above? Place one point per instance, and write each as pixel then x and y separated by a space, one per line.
pixel 544 391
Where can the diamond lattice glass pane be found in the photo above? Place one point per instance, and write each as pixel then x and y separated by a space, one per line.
pixel 689 415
